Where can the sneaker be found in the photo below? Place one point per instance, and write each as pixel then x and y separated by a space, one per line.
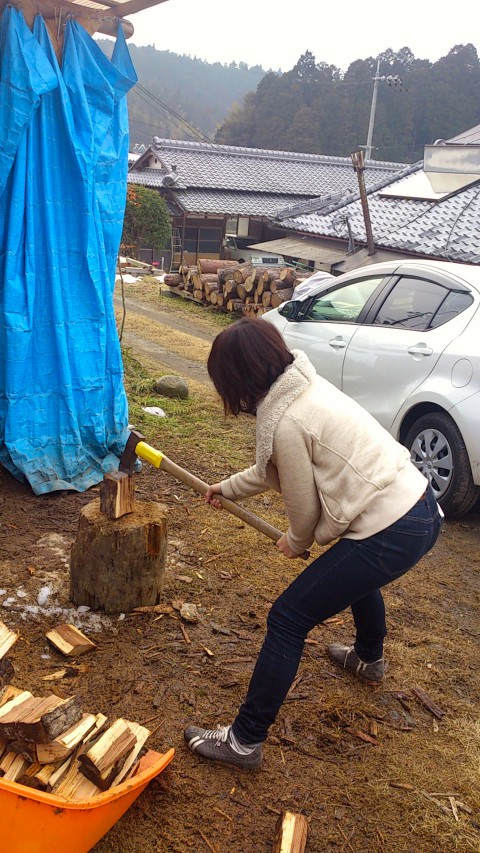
pixel 221 745
pixel 346 656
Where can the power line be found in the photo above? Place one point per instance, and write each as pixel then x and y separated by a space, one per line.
pixel 190 127
pixel 172 120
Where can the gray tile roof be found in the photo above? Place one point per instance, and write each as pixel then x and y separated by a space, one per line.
pixel 445 228
pixel 225 167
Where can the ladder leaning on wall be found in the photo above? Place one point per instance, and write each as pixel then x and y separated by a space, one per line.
pixel 177 249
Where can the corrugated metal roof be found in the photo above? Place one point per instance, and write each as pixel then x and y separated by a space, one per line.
pixel 306 250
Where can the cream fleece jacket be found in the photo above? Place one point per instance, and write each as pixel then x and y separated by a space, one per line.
pixel 340 473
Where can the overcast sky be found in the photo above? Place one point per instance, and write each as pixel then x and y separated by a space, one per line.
pixel 274 33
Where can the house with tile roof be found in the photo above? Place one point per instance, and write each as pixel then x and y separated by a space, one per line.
pixel 212 190
pixel 430 210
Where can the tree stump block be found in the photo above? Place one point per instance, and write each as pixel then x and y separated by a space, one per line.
pixel 119 564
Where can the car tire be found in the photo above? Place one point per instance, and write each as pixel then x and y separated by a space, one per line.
pixel 435 439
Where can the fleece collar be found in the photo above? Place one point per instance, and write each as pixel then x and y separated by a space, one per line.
pixel 294 380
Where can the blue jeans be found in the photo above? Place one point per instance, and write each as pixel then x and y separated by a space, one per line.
pixel 349 574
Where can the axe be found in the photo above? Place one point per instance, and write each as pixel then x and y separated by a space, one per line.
pixel 136 446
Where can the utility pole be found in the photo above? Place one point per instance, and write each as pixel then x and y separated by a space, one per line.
pixel 394 81
pixel 376 80
pixel 358 162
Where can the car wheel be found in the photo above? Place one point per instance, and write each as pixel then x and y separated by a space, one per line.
pixel 438 451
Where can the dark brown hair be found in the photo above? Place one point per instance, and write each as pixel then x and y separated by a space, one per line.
pixel 245 360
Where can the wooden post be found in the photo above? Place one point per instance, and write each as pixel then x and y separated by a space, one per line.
pixel 119 564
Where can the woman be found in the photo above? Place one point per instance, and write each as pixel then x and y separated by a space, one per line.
pixel 342 477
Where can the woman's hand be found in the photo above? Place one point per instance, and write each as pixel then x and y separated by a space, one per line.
pixel 284 547
pixel 210 498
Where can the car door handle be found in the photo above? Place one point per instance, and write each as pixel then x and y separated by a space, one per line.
pixel 337 343
pixel 420 349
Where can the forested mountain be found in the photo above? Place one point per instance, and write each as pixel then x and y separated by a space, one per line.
pixel 314 108
pixel 203 93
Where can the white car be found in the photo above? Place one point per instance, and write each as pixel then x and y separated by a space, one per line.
pixel 241 249
pixel 403 339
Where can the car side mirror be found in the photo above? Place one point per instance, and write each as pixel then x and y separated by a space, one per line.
pixel 289 310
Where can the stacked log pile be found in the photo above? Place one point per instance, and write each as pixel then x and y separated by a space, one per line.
pixel 50 744
pixel 239 288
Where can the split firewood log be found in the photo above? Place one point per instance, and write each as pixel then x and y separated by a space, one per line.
pixel 69 640
pixel 290 833
pixel 38 719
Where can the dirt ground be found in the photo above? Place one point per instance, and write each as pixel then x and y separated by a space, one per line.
pixel 372 769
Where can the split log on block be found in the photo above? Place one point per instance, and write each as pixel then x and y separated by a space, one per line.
pixel 117 494
pixel 70 641
pixel 281 296
pixel 287 275
pixel 103 762
pixel 39 719
pixel 290 833
pixel 266 299
pixel 7 639
pixel 212 265
pixel 117 565
pixel 173 279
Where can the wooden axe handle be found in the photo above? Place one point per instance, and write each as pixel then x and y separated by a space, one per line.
pixel 145 451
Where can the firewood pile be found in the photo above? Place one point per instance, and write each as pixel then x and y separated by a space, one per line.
pixel 49 743
pixel 239 288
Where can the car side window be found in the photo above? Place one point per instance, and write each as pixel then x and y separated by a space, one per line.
pixel 455 303
pixel 342 305
pixel 415 303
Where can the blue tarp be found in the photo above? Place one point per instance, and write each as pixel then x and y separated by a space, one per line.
pixel 63 173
